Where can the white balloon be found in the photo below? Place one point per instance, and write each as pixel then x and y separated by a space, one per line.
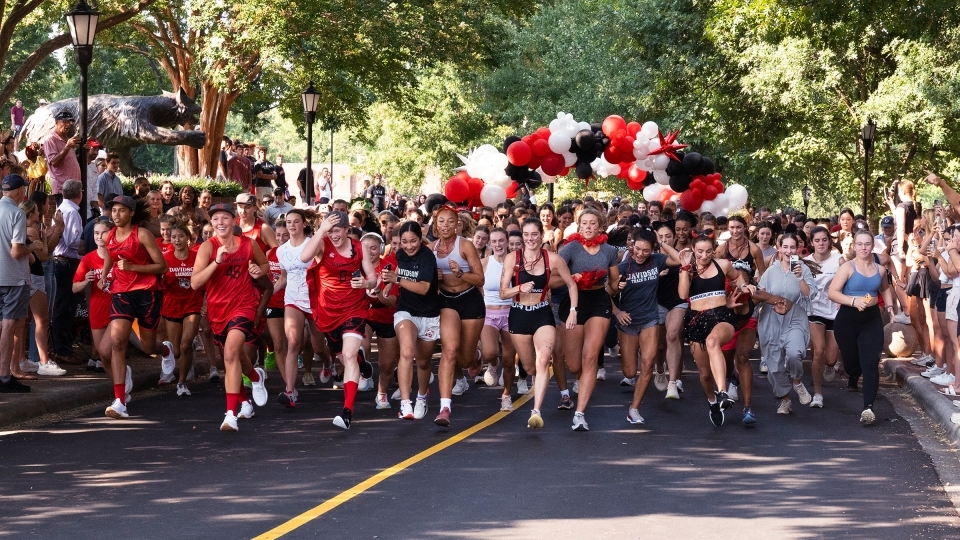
pixel 640 152
pixel 547 179
pixel 614 169
pixel 492 195
pixel 652 145
pixel 652 192
pixel 484 149
pixel 724 212
pixel 569 158
pixel 642 165
pixel 648 164
pixel 555 124
pixel 722 201
pixel 708 206
pixel 660 162
pixel 499 161
pixel 558 142
pixel 650 129
pixel 737 195
pixel 661 177
pixel 502 180
pixel 583 125
pixel 475 170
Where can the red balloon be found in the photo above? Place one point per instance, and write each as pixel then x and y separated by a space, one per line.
pixel 543 133
pixel 552 164
pixel 456 189
pixel 624 171
pixel 527 139
pixel 666 194
pixel 636 174
pixel 633 128
pixel 698 191
pixel 612 124
pixel 463 175
pixel 540 148
pixel 690 201
pixel 636 186
pixel 534 162
pixel 719 185
pixel 697 183
pixel 563 172
pixel 512 190
pixel 610 154
pixel 519 153
pixel 709 193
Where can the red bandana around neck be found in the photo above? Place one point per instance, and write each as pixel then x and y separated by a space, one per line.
pixel 599 239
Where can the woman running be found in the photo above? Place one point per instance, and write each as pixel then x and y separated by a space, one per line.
pixel 275 309
pixel 496 332
pixel 181 304
pixel 137 264
pixel 89 273
pixel 235 307
pixel 210 348
pixel 856 288
pixel 526 279
pixel 461 307
pixel 671 310
pixel 383 305
pixel 823 311
pixel 417 319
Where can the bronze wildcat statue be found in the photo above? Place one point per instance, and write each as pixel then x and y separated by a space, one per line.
pixel 120 123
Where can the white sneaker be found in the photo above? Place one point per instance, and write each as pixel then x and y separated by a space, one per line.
pixel 190 374
pixel 733 392
pixel 182 390
pixel 365 385
pixel 522 386
pixel 817 401
pixel 763 365
pixel 933 371
pixel 576 386
pixel 229 422
pixel 382 401
pixel 29 366
pixel 246 410
pixel 785 406
pixel 506 403
pixel 461 386
pixel 308 379
pixel 867 417
pixel 679 386
pixel 128 381
pixel 197 343
pixel 901 318
pixel 602 374
pixel 500 380
pixel 660 381
pixel 829 373
pixel 117 410
pixel 259 388
pixel 944 379
pixel 406 410
pixel 166 378
pixel 396 395
pixel 632 382
pixel 420 409
pixel 490 375
pixel 633 416
pixel 802 393
pixel 672 390
pixel 167 361
pixel 214 374
pixel 579 422
pixel 50 368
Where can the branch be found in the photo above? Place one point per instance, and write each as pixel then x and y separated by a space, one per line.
pixel 846 102
pixel 18 12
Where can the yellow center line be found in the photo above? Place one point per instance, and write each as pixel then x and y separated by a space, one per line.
pixel 348 494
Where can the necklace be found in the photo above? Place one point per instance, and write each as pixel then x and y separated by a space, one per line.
pixel 528 264
pixel 731 247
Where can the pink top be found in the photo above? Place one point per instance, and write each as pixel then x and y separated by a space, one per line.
pixel 69 169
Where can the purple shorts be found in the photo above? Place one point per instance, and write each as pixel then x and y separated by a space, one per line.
pixel 497 318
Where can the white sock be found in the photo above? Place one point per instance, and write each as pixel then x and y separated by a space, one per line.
pixel 565 393
pixel 421 396
pixel 445 402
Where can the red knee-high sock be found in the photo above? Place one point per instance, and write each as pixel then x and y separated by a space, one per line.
pixel 233 402
pixel 243 393
pixel 120 392
pixel 349 394
pixel 253 375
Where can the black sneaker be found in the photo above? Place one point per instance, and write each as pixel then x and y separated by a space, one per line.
pixel 724 400
pixel 366 369
pixel 13 386
pixel 343 421
pixel 716 414
pixel 565 403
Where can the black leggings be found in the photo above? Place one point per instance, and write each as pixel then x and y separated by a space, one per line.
pixel 860 338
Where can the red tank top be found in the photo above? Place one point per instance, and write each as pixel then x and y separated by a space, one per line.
pixel 276 301
pixel 99 313
pixel 179 298
pixel 254 234
pixel 332 299
pixel 380 313
pixel 134 252
pixel 231 291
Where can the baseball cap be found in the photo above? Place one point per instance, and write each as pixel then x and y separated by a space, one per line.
pixel 278 191
pixel 342 219
pixel 124 200
pixel 228 208
pixel 616 201
pixel 64 116
pixel 246 198
pixel 887 221
pixel 12 182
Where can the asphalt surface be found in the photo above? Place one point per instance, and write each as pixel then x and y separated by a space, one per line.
pixel 168 472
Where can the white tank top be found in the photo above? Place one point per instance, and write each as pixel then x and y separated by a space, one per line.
pixel 443 263
pixel 491 284
pixel 296 293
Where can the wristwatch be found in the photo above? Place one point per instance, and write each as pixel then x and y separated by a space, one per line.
pixel 398 279
pixel 573 308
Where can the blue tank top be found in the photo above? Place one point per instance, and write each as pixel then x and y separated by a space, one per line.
pixel 860 285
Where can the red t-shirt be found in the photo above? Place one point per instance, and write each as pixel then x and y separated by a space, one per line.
pixel 179 298
pixel 231 291
pixel 165 248
pixel 380 313
pixel 332 299
pixel 133 251
pixel 276 301
pixel 99 300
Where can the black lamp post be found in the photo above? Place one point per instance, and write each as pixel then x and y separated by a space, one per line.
pixel 310 99
pixel 806 199
pixel 83 20
pixel 867 133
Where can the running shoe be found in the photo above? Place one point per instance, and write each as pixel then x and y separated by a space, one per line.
pixel 763 365
pixel 724 400
pixel 197 343
pixel 229 422
pixel 443 419
pixel 128 381
pixel 214 374
pixel 602 374
pixel 246 410
pixel 420 409
pixel 748 418
pixel 308 379
pixel 288 400
pixel 343 421
pixel 396 395
pixel 461 386
pixel 325 375
pixel 500 379
pixel 535 421
pixel 182 390
pixel 365 384
pixel 786 406
pixel 260 395
pixel 672 392
pixel 679 386
pixel 490 375
pixel 867 416
pixel 901 318
pixel 117 410
pixel 633 416
pixel 716 414
pixel 271 360
pixel 944 379
pixel 406 410
pixel 565 403
pixel 829 373
pixel 660 381
pixel 733 392
pixel 382 401
pixel 299 361
pixel 366 369
pixel 817 401
pixel 91 364
pixel 29 366
pixel 167 361
pixel 579 422
pixel 431 377
pixel 933 372
pixel 166 378
pixel 522 386
pixel 98 367
pixel 576 386
pixel 631 382
pixel 337 380
pixel 506 403
pixel 802 394
pixel 51 369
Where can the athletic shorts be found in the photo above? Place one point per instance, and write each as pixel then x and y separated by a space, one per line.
pixel 635 327
pixel 428 328
pixel 467 303
pixel 382 330
pixel 827 323
pixel 242 324
pixel 141 306
pixel 498 318
pixel 699 324
pixel 662 312
pixel 934 293
pixel 526 320
pixel 179 320
pixel 37 284
pixel 953 301
pixel 274 313
pixel 751 323
pixel 354 326
pixel 590 303
pixel 14 302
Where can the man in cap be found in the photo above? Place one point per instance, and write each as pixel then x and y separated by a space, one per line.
pixel 66 259
pixel 60 150
pixel 279 207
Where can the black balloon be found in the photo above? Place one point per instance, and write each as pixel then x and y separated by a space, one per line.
pixel 517 173
pixel 574 147
pixel 585 138
pixel 508 141
pixel 434 201
pixel 584 170
pixel 674 167
pixel 596 127
pixel 707 167
pixel 534 180
pixel 649 180
pixel 680 182
pixel 692 163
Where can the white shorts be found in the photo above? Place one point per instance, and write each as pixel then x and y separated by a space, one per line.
pixel 37 284
pixel 953 300
pixel 428 328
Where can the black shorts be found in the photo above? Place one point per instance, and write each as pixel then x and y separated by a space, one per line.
pixel 934 293
pixel 242 324
pixel 467 303
pixel 595 303
pixel 141 306
pixel 699 324
pixel 274 313
pixel 526 320
pixel 941 303
pixel 383 330
pixel 179 320
pixel 353 325
pixel 827 323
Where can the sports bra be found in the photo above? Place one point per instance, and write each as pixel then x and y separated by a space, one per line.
pixel 860 285
pixel 443 263
pixel 746 264
pixel 521 276
pixel 491 284
pixel 701 288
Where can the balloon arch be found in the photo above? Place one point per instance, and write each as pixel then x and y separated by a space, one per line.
pixel 640 154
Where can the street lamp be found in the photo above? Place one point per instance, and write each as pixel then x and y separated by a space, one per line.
pixel 310 99
pixel 83 20
pixel 867 133
pixel 806 200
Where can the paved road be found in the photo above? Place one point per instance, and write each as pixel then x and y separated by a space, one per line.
pixel 169 473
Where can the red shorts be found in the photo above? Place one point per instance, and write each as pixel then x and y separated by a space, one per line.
pixel 354 326
pixel 142 306
pixel 732 344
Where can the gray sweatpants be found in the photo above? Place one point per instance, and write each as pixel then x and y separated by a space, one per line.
pixel 785 362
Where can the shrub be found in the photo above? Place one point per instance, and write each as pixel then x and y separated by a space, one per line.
pixel 218 188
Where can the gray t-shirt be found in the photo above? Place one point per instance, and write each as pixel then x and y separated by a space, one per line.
pixel 579 261
pixel 13 230
pixel 272 212
pixel 639 296
pixel 109 183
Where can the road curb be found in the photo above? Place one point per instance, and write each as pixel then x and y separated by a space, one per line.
pixel 938 406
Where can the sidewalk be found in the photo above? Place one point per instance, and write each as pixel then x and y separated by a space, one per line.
pixel 939 407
